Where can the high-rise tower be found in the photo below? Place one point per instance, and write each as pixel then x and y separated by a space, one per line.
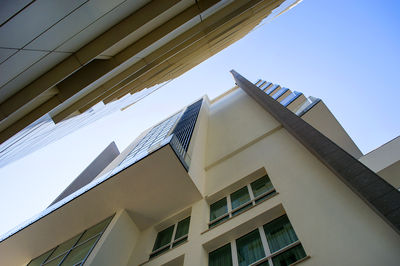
pixel 244 179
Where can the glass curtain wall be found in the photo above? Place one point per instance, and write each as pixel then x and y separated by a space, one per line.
pixel 75 250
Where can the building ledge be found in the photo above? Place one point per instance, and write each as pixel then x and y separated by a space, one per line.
pixel 143 190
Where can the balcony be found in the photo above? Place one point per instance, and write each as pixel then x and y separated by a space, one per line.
pixel 151 187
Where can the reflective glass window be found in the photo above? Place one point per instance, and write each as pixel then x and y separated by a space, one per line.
pixel 271 89
pixel 279 93
pixel 74 250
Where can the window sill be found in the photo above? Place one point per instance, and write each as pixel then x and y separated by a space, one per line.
pixel 161 254
pixel 300 260
pixel 282 250
pixel 244 211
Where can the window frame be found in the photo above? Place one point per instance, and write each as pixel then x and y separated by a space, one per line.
pixel 265 245
pixel 64 255
pixel 173 241
pixel 242 208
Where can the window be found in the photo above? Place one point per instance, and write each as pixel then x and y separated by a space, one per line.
pixel 75 250
pixel 274 244
pixel 249 248
pixel 240 200
pixel 290 98
pixel 221 256
pixel 171 237
pixel 266 85
pixel 219 211
pixel 270 90
pixel 279 93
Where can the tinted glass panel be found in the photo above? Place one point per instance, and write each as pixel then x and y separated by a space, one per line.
pixel 78 254
pixel 240 197
pixel 290 256
pixel 183 228
pixel 279 93
pixel 279 233
pixel 39 260
pixel 62 248
pixel 290 98
pixel 249 248
pixel 221 256
pixel 260 186
pixel 271 89
pixel 74 246
pixel 164 237
pixel 98 228
pixel 218 209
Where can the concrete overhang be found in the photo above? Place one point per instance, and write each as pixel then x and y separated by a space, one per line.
pixel 84 52
pixel 150 190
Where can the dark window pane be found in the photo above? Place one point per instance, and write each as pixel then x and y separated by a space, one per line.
pixel 249 248
pixel 290 256
pixel 94 230
pixel 39 260
pixel 79 253
pixel 164 237
pixel 221 256
pixel 279 233
pixel 62 248
pixel 240 197
pixel 183 228
pixel 218 209
pixel 260 186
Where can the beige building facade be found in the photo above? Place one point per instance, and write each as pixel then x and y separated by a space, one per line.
pixel 221 182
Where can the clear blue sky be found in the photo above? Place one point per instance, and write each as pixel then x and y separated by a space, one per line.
pixel 344 52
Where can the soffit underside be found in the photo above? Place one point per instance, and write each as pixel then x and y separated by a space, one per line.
pixel 143 190
pixel 130 73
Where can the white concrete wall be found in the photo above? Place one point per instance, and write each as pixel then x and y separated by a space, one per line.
pixel 322 119
pixel 116 243
pixel 385 161
pixel 333 224
pixel 383 156
pixel 197 147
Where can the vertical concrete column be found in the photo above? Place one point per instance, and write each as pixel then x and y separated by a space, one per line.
pixel 196 254
pixel 117 243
